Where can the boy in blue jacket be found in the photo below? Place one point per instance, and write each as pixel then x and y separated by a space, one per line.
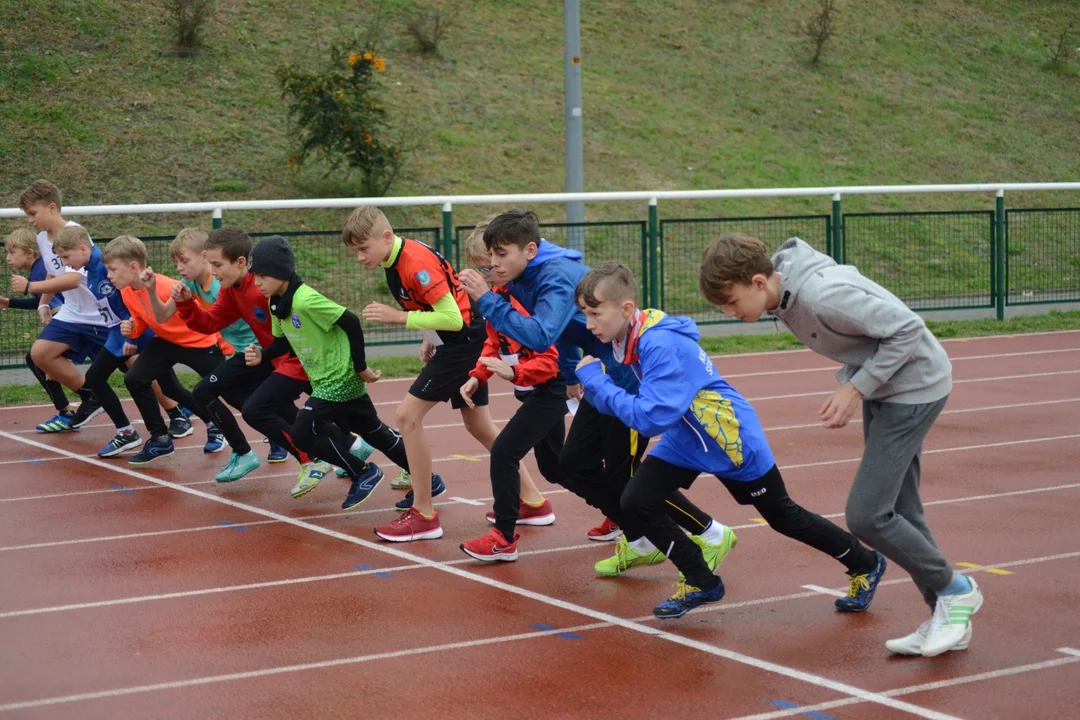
pixel 601 453
pixel 707 427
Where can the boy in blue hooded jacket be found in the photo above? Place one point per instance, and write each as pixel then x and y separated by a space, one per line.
pixel 707 427
pixel 601 453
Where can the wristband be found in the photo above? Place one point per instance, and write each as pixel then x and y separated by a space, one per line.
pixel 43 305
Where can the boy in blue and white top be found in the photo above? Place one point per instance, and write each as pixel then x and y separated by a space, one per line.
pixel 72 245
pixel 79 330
pixel 23 254
pixel 706 426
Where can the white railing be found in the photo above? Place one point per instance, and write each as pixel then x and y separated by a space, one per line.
pixel 217 207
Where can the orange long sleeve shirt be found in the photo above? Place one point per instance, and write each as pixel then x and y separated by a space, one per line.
pixel 175 330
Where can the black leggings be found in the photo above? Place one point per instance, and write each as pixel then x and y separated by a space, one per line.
pixel 600 457
pixel 53 389
pixel 320 430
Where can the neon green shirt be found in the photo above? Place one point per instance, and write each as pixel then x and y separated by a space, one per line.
pixel 322 347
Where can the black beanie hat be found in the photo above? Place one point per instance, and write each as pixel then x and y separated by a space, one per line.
pixel 273 256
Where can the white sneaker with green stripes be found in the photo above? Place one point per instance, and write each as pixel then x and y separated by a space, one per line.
pixel 951 620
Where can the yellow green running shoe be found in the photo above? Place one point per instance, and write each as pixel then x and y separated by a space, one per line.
pixel 714 553
pixel 626 557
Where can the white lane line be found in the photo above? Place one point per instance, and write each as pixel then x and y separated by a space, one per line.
pixel 266 672
pixel 824 591
pixel 764 665
pixel 939 685
pixel 776 428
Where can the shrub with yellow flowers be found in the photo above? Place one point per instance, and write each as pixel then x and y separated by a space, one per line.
pixel 338 118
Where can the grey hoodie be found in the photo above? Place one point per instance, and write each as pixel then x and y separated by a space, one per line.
pixel 886 349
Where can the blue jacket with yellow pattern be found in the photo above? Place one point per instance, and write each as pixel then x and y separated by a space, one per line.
pixel 705 424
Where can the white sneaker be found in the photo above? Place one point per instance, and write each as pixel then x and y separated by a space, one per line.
pixel 951 620
pixel 912 644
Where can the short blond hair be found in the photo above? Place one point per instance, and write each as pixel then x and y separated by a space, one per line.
pixel 70 238
pixel 192 239
pixel 126 248
pixel 40 192
pixel 365 222
pixel 614 279
pixel 476 251
pixel 23 239
pixel 731 260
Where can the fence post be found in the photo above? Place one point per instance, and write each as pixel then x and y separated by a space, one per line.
pixel 999 256
pixel 837 230
pixel 215 219
pixel 448 231
pixel 654 257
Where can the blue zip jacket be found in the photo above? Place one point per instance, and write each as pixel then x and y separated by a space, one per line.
pixel 113 309
pixel 546 291
pixel 706 425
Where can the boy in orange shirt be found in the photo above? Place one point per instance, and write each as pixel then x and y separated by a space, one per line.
pixel 174 343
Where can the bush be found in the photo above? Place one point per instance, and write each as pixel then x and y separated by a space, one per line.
pixel 338 117
pixel 820 28
pixel 428 28
pixel 187 20
pixel 1061 52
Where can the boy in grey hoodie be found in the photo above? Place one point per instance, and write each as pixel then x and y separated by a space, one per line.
pixel 897 370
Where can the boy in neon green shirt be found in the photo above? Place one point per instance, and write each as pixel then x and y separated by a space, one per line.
pixel 329 342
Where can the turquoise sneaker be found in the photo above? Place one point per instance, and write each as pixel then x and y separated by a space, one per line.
pixel 238 466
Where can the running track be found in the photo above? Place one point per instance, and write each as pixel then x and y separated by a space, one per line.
pixel 156 593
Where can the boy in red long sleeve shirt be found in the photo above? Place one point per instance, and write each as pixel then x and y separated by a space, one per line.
pixel 538 425
pixel 266 394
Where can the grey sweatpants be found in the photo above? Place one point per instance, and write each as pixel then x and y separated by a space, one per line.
pixel 883 508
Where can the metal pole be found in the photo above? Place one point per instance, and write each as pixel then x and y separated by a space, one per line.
pixel 654 257
pixel 999 256
pixel 575 168
pixel 215 219
pixel 837 233
pixel 448 231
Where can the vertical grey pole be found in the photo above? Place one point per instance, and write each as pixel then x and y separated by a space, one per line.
pixel 575 169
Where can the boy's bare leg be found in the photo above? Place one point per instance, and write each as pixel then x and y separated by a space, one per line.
pixel 480 425
pixel 410 422
pixel 49 356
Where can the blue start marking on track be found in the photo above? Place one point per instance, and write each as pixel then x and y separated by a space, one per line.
pixel 121 488
pixel 33 460
pixel 788 705
pixel 234 526
pixel 563 635
pixel 378 574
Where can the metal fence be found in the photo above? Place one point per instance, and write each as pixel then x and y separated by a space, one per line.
pixel 939 260
pixel 682 242
pixel 930 260
pixel 1042 256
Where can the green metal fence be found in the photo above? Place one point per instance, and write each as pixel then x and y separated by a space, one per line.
pixel 682 242
pixel 930 260
pixel 933 261
pixel 626 242
pixel 1042 260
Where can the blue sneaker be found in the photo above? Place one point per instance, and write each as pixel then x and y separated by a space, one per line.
pixel 158 447
pixel 861 590
pixel 686 598
pixel 438 487
pixel 121 443
pixel 238 466
pixel 215 441
pixel 362 486
pixel 277 453
pixel 60 422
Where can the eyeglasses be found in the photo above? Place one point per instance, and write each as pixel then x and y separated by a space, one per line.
pixel 485 271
